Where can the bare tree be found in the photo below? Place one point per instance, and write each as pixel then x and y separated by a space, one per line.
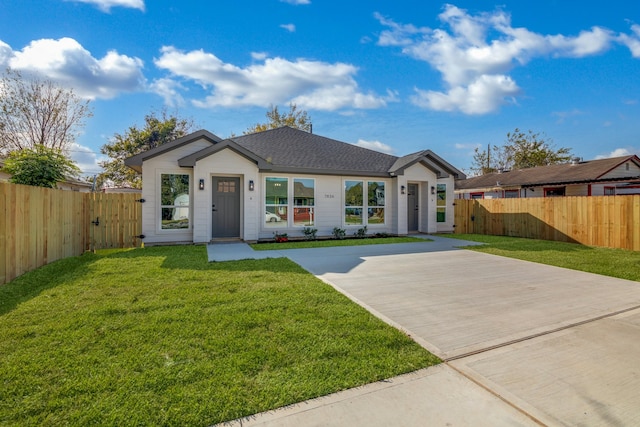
pixel 36 112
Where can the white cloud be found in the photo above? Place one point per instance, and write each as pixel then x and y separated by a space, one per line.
pixel 564 115
pixel 587 43
pixel 475 53
pixel 470 146
pixel 309 84
pixel 106 5
pixel 259 56
pixel 289 27
pixel 296 2
pixel 375 146
pixel 482 96
pixel 86 159
pixel 618 152
pixel 632 41
pixel 169 90
pixel 67 63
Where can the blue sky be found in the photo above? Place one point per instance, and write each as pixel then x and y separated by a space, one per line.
pixel 397 76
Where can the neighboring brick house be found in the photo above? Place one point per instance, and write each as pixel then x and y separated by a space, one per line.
pixel 613 176
pixel 201 187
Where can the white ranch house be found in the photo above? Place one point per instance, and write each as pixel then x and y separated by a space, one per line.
pixel 201 188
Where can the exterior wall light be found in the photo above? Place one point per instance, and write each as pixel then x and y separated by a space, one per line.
pixel 201 184
pixel 433 190
pixel 402 189
pixel 252 186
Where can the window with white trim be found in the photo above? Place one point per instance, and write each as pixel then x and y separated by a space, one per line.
pixel 359 210
pixel 279 206
pixel 276 201
pixel 174 201
pixel 441 203
pixel 304 201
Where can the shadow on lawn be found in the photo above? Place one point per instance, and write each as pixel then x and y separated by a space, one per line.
pixel 33 283
pixel 188 257
pixel 519 244
pixel 194 257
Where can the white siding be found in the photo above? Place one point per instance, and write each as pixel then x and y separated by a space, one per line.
pixel 151 171
pixel 329 206
pixel 622 172
pixel 448 225
pixel 230 164
pixel 425 178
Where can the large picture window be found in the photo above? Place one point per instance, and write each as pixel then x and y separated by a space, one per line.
pixel 279 207
pixel 441 203
pixel 174 201
pixel 359 210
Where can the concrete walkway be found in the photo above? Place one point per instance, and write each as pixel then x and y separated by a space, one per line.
pixel 525 343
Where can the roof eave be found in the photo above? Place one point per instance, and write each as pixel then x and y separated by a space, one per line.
pixel 135 162
pixel 269 168
pixel 192 159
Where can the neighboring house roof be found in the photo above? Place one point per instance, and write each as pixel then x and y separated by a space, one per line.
pixel 568 173
pixel 286 149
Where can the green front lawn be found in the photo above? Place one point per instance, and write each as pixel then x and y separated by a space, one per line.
pixel 159 336
pixel 609 262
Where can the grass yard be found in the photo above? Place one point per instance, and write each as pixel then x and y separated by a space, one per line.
pixel 609 262
pixel 159 336
pixel 302 244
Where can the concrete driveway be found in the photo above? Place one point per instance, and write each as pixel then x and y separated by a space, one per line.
pixel 536 344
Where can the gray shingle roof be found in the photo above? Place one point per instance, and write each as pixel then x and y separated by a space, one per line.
pixel 588 171
pixel 286 147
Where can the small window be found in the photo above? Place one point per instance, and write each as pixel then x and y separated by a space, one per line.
pixel 477 196
pixel 511 194
pixel 554 192
pixel 174 201
pixel 609 191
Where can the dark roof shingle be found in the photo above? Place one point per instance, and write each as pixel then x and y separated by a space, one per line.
pixel 292 148
pixel 588 171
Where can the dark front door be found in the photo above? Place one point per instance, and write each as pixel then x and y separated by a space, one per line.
pixel 413 207
pixel 225 208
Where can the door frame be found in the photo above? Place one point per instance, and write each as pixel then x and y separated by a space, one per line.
pixel 239 195
pixel 415 208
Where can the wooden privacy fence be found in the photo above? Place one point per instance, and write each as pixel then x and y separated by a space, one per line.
pixel 609 221
pixel 41 225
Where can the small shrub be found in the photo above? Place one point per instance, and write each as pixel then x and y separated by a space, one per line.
pixel 339 233
pixel 310 233
pixel 281 237
pixel 361 233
